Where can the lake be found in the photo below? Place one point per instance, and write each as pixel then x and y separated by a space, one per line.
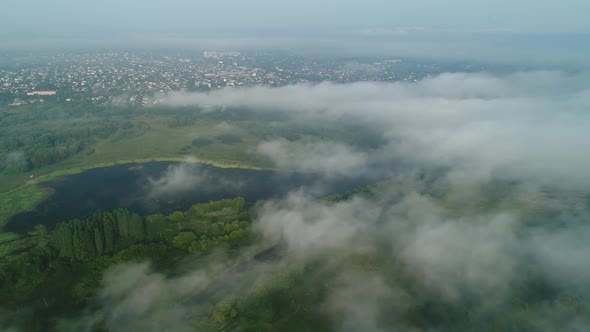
pixel 164 187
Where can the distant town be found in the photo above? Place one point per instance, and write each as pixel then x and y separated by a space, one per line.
pixel 139 77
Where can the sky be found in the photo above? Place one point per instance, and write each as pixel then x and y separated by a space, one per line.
pixel 547 31
pixel 526 16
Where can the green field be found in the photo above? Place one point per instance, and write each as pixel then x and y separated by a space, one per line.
pixel 159 143
pixel 163 143
pixel 22 199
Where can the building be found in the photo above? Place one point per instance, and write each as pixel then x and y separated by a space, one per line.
pixel 217 55
pixel 41 93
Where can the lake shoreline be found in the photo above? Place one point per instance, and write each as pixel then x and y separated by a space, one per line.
pixel 149 187
pixel 76 170
pixel 36 183
pixel 52 175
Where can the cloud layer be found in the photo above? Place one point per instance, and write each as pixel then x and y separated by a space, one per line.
pixel 177 179
pixel 323 157
pixel 525 125
pixel 455 238
pixel 461 237
pixel 486 259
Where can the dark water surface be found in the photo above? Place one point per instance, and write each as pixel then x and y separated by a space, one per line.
pixel 163 187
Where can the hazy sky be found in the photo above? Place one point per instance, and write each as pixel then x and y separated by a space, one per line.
pixel 416 26
pixel 237 15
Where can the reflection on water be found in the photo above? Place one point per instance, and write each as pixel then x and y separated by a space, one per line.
pixel 163 187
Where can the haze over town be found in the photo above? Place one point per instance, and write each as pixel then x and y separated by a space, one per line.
pixel 525 31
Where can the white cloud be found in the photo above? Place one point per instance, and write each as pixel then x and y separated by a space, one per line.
pixel 324 157
pixel 223 126
pixel 177 179
pixel 529 125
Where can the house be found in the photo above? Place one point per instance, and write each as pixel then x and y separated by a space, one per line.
pixel 41 93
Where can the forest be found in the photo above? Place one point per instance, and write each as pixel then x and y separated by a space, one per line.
pixel 60 271
pixel 232 280
pixel 33 137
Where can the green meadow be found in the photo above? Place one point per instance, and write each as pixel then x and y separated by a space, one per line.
pixel 21 199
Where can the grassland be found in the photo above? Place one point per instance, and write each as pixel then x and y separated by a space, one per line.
pixel 157 142
pixel 163 142
pixel 22 199
pixel 9 242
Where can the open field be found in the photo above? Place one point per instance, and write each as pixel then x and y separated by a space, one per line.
pixel 22 199
pixel 157 142
pixel 161 141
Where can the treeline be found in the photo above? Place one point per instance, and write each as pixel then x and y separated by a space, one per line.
pixel 209 224
pixel 32 149
pixel 108 232
pixel 38 135
pixel 101 233
pixel 60 273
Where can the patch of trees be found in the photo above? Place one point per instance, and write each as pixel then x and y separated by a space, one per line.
pixel 108 232
pixel 291 300
pixel 99 234
pixel 228 206
pixel 182 120
pixel 42 147
pixel 45 134
pixel 60 273
pixel 208 224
